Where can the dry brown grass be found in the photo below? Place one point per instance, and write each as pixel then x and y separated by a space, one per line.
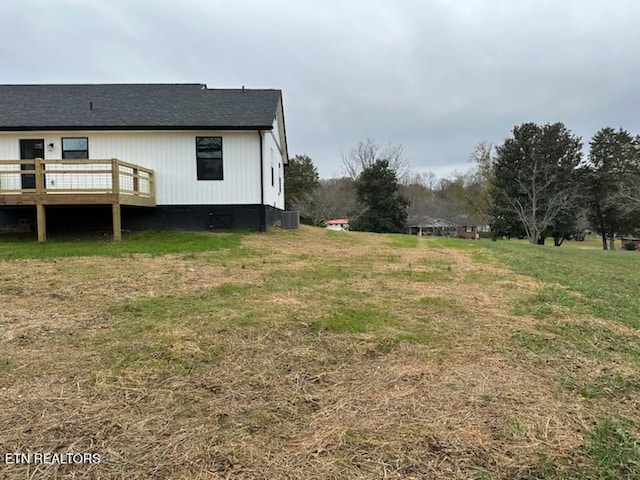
pixel 437 392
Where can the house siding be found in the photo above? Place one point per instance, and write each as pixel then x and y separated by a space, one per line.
pixel 172 156
pixel 273 158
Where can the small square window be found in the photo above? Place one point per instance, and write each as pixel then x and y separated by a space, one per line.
pixel 75 148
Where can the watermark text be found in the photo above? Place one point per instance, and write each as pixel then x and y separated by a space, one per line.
pixel 44 458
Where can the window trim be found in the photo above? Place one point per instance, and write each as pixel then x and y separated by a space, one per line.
pixel 199 175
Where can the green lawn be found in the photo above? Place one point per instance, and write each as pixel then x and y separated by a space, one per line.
pixel 151 243
pixel 316 354
pixel 605 284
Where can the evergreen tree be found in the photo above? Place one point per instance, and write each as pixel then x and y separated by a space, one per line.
pixel 612 163
pixel 385 208
pixel 300 177
pixel 534 178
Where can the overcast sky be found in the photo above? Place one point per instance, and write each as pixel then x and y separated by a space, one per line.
pixel 436 76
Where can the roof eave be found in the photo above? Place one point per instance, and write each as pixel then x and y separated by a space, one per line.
pixel 132 127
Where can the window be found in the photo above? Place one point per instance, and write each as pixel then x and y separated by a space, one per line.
pixel 273 181
pixel 209 158
pixel 75 147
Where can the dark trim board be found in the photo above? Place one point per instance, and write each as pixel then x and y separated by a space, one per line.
pixel 63 219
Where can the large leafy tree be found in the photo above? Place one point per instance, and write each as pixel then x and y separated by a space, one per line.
pixel 385 208
pixel 533 179
pixel 300 177
pixel 608 176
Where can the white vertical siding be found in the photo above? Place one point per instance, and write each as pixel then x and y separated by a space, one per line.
pixel 173 157
pixel 273 194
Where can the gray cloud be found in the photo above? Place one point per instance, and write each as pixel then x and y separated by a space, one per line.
pixel 437 77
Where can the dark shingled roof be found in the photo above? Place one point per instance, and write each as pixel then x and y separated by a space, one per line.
pixel 135 106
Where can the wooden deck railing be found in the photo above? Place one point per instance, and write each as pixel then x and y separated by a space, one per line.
pixel 76 182
pixel 67 181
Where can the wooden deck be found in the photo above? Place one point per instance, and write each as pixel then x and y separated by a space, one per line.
pixel 75 182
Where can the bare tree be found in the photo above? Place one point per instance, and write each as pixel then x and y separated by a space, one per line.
pixel 475 184
pixel 629 186
pixel 333 198
pixel 630 193
pixel 419 196
pixel 534 177
pixel 367 152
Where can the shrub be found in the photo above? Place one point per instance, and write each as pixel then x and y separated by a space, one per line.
pixel 630 245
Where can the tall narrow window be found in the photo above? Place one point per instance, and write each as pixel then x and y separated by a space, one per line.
pixel 273 179
pixel 209 158
pixel 75 147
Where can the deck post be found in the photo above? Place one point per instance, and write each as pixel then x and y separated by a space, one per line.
pixel 115 178
pixel 41 218
pixel 39 177
pixel 41 223
pixel 117 221
pixel 115 206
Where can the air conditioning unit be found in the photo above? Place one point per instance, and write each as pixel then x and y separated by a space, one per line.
pixel 291 219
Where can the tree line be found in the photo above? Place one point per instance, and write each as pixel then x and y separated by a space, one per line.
pixel 368 193
pixel 541 186
pixel 536 184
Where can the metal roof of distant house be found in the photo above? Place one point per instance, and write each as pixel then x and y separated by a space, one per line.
pixel 430 222
pixel 337 221
pixel 135 106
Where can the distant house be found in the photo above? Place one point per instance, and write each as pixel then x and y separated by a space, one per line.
pixel 149 156
pixel 629 239
pixel 337 224
pixel 466 231
pixel 461 227
pixel 428 226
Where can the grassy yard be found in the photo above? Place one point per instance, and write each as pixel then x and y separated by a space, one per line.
pixel 314 354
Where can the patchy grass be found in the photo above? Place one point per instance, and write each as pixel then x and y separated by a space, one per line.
pixel 151 243
pixel 343 319
pixel 422 276
pixel 342 237
pixel 317 354
pixel 402 241
pixel 615 448
pixel 438 304
pixel 602 283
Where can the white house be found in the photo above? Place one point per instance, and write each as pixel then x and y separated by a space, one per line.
pixel 186 156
